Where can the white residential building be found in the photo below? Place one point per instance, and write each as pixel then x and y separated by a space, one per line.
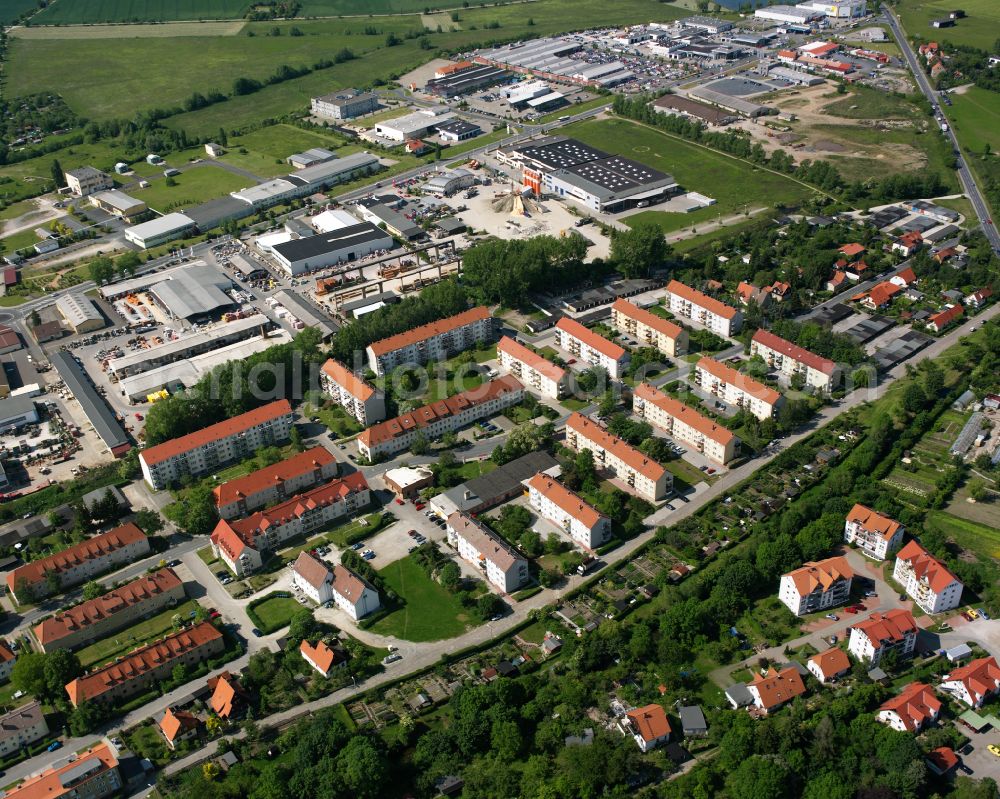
pixel 683 423
pixel 358 397
pixel 643 475
pixel 883 632
pixel 911 710
pixel 432 421
pixel 345 104
pixel 500 563
pixel 532 369
pixel 818 585
pixel 436 341
pixel 344 588
pixel 205 450
pixel 736 388
pixel 709 312
pixel 588 346
pixel 22 726
pixel 975 683
pixel 791 359
pixel 829 665
pixel 321 657
pixel 877 536
pixel 578 519
pixel 648 726
pixel 649 329
pixel 86 180
pixel 926 580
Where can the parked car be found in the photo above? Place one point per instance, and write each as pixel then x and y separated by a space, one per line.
pixel 832 640
pixel 411 533
pixel 994 749
pixel 982 614
pixel 257 632
pixel 53 746
pixel 391 658
pixel 357 546
pixel 399 501
pixel 973 614
pixel 833 617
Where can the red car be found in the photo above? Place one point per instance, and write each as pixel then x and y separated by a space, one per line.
pixel 138 416
pixel 850 610
pixel 421 506
pixel 214 614
pixel 399 501
pixel 411 533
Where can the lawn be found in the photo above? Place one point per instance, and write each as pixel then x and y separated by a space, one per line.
pixel 574 404
pixel 78 12
pixel 273 612
pixel 124 641
pixel 734 184
pixel 684 472
pixel 197 185
pixel 267 148
pixel 10 10
pixel 865 103
pixel 983 540
pixel 477 468
pixel 335 418
pixel 975 116
pixel 25 238
pixel 425 610
pixel 978 29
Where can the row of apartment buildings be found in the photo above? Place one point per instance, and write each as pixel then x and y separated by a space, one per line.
pixel 738 389
pixel 580 520
pixel 436 341
pixel 532 369
pixel 501 564
pixel 682 422
pixel 590 347
pixel 712 314
pixel 358 397
pixel 649 329
pixel 792 360
pixel 339 585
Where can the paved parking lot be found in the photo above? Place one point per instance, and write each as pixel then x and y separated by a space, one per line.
pixel 979 762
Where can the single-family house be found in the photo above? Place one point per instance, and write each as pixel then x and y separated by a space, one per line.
pixel 322 657
pixel 944 319
pixel 178 725
pixel 775 689
pixel 648 725
pixel 975 683
pixel 912 709
pixel 829 665
pixel 908 243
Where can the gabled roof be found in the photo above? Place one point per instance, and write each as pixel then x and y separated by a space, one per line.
pixel 177 722
pixel 873 521
pixel 312 570
pixel 946 317
pixel 684 413
pixel 882 293
pixel 980 677
pixel 288 469
pixel 521 353
pixel 915 705
pixel 926 567
pixel 227 693
pixel 831 662
pixel 225 538
pixel 650 722
pixel 777 687
pixel 565 499
pixel 887 628
pixel 486 542
pixel 851 250
pixel 943 759
pixel 660 325
pixel 768 339
pixel 907 276
pixel 424 332
pixel 348 584
pixel 593 340
pixel 624 452
pixel 823 575
pixel 348 381
pixel 320 655
pixel 67 777
pixel 695 297
pixel 743 382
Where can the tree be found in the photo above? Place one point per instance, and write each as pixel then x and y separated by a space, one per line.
pixel 420 445
pixel 914 398
pixel 223 138
pixel 639 250
pixel 608 402
pixel 303 624
pixel 58 176
pixel 149 521
pixel 210 770
pixel 213 725
pixel 450 576
pixel 977 490
pixel 60 667
pixel 52 582
pixel 362 768
pixel 28 674
pixel 179 674
pixel 101 270
pixel 93 589
pixel 759 778
pixel 128 263
pixel 85 718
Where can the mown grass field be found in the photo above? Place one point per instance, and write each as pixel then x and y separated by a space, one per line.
pixel 979 29
pixel 975 116
pixel 81 12
pixel 983 540
pixel 191 188
pixel 139 634
pixel 732 183
pixel 428 612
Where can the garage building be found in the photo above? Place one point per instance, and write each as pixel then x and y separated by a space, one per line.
pixel 80 312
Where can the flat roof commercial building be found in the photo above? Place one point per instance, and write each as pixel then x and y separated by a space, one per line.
pixel 160 230
pixel 531 369
pixel 456 130
pixel 303 314
pixel 716 316
pixel 715 442
pixel 591 347
pixel 737 388
pixel 412 126
pixel 358 397
pixel 80 313
pixel 120 608
pixel 118 203
pixel 464 81
pixel 581 521
pixel 211 447
pixel 550 59
pixel 649 329
pixel 299 256
pixel 431 421
pixel 307 180
pixel 310 157
pixel 16 412
pixel 274 483
pixel 193 292
pixel 77 564
pixel 683 106
pixel 436 341
pixel 91 774
pixel 345 104
pixel 95 407
pixel 793 14
pixel 393 220
pixel 501 564
pixel 645 476
pixel 790 359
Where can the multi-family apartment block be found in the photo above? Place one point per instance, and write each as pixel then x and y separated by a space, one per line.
pixel 87 180
pixel 22 726
pixel 275 483
pixel 578 519
pixel 90 774
pixel 586 345
pixel 790 359
pixel 97 618
pixel 688 303
pixel 645 476
pixel 358 397
pixel 432 421
pixel 340 585
pixel 132 674
pixel 436 341
pixel 911 710
pixel 715 442
pixel 975 683
pixel 816 586
pixel 207 449
pixel 7 661
pixel 877 536
pixel 880 633
pixel 737 389
pixel 926 580
pixel 240 542
pixel 649 329
pixel 531 368
pixel 78 564
pixel 501 564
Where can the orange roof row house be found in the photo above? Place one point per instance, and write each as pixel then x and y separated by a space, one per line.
pixel 242 487
pixel 696 297
pixel 613 445
pixel 518 351
pixel 768 339
pixel 417 334
pixel 662 326
pixel 684 413
pixel 745 383
pixel 593 340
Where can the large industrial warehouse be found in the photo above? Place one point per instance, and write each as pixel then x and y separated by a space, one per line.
pixel 343 245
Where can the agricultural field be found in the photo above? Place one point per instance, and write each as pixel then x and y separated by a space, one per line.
pixel 733 183
pixel 193 187
pixel 85 12
pixel 978 29
pixel 975 116
pixel 983 539
pixel 916 481
pixel 10 10
pixel 159 30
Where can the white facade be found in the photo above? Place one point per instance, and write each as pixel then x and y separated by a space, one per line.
pixel 22 726
pixel 359 398
pixel 532 369
pixel 926 580
pixel 648 329
pixel 789 359
pixel 436 341
pixel 874 534
pixel 871 639
pixel 838 9
pixel 816 586
pixel 683 423
pixel 975 683
pixel 578 519
pixel 737 389
pixel 711 314
pixel 87 180
pixel 500 563
pixel 586 345
pixel 345 105
pixel 791 14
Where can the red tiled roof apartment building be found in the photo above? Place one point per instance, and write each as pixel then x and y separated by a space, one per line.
pixel 776 688
pixel 93 774
pixel 645 476
pixel 214 446
pixel 926 580
pixel 877 536
pixel 737 388
pixel 274 483
pixel 974 683
pixel 791 359
pixel 111 612
pixel 578 519
pixel 586 345
pixel 914 708
pixel 829 665
pixel 436 341
pixel 649 329
pixel 882 632
pixel 358 397
pixel 531 369
pixel 432 421
pixel 716 316
pixel 132 674
pixel 818 585
pixel 79 563
pixel 684 423
pixel 240 542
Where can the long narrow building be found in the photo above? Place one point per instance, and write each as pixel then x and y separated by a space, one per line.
pixel 501 564
pixel 534 371
pixel 790 359
pixel 432 421
pixel 436 341
pixel 207 449
pixel 580 520
pixel 649 329
pixel 737 388
pixel 590 347
pixel 91 774
pixel 716 316
pixel 275 483
pixel 358 397
pixel 645 476
pixel 715 442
